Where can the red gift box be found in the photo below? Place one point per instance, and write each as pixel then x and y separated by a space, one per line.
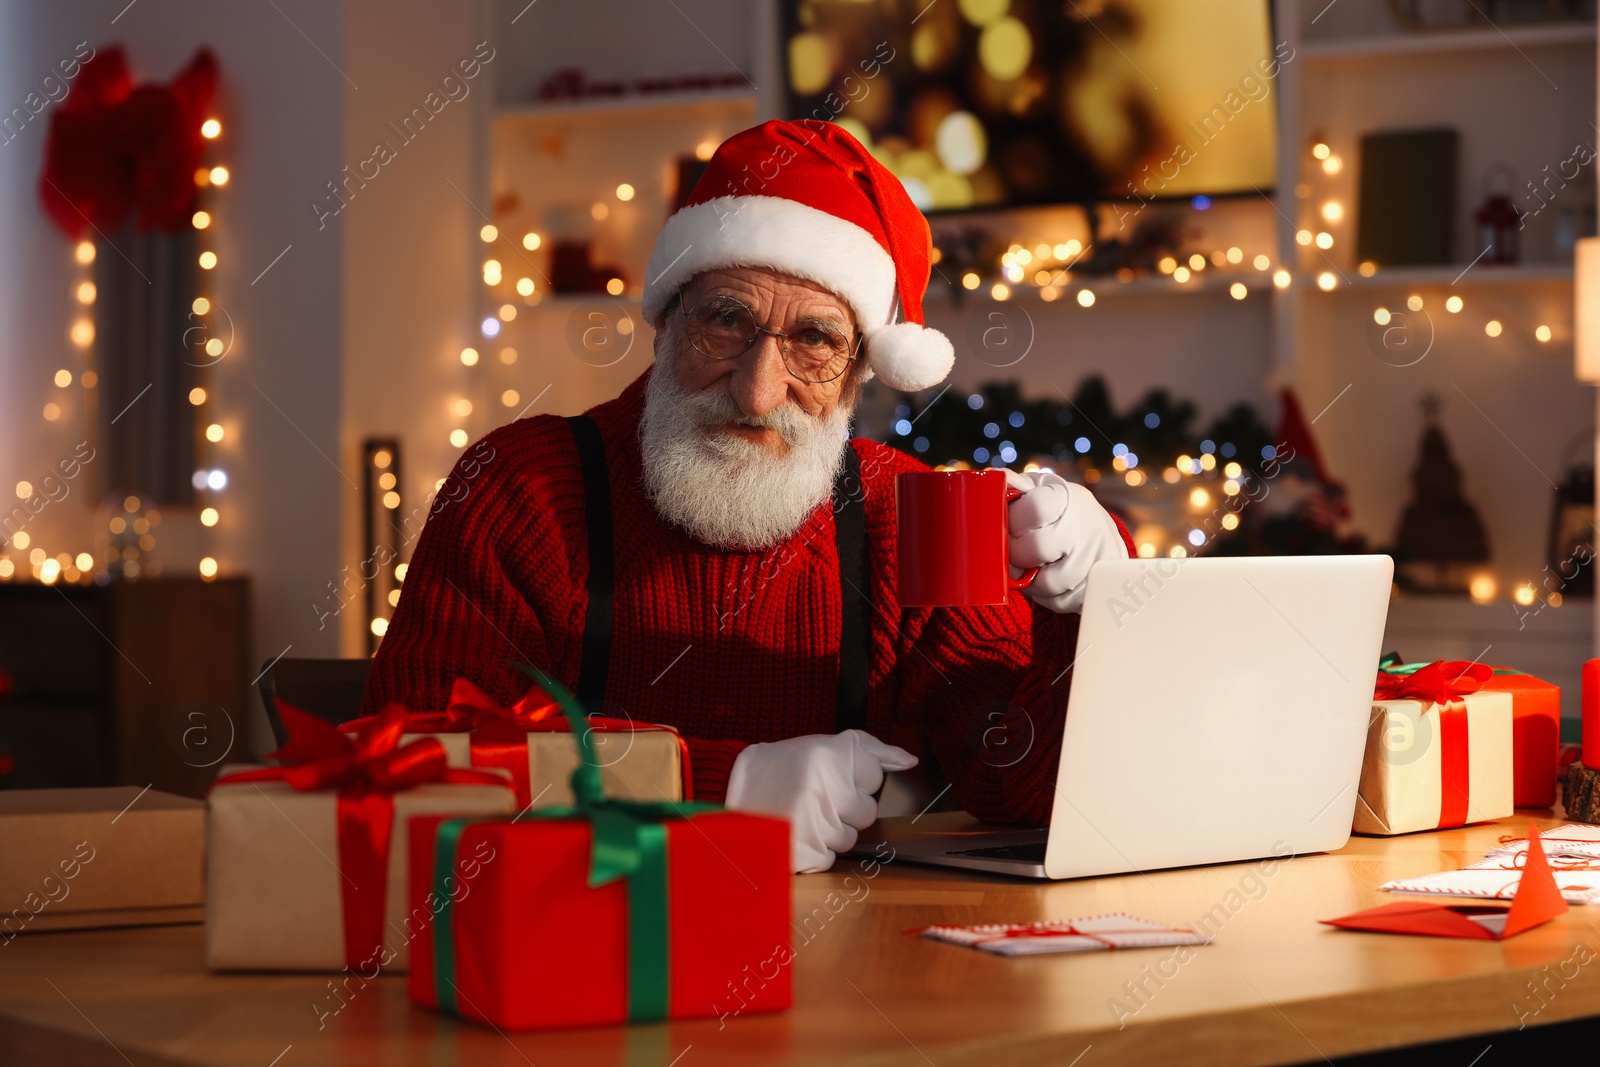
pixel 1535 735
pixel 525 913
pixel 644 910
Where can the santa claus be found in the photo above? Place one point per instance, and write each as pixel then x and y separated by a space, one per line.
pixel 710 550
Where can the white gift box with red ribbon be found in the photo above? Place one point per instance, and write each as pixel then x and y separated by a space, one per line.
pixel 1438 752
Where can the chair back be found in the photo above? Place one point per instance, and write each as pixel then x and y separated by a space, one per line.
pixel 330 689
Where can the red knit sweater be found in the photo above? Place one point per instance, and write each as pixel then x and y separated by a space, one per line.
pixel 730 647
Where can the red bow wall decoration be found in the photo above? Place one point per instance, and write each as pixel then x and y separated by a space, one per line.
pixel 116 149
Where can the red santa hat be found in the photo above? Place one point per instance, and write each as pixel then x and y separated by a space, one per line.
pixel 806 199
pixel 1295 431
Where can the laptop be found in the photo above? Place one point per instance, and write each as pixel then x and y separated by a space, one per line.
pixel 1218 712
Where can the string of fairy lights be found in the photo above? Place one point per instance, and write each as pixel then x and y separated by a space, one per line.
pixel 129 524
pixel 509 279
pixel 209 482
pixel 1048 268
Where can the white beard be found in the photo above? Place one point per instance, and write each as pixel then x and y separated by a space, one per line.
pixel 726 491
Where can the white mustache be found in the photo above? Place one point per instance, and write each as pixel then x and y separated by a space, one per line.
pixel 717 408
pixel 727 491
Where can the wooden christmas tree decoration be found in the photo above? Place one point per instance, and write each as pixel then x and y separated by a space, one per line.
pixel 1441 535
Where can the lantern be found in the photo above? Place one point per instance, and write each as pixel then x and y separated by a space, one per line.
pixel 1498 224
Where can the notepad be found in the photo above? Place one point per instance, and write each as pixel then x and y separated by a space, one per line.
pixel 1095 933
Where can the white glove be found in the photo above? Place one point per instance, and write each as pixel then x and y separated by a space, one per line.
pixel 1059 527
pixel 822 783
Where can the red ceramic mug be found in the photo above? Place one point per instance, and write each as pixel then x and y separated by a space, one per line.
pixel 954 540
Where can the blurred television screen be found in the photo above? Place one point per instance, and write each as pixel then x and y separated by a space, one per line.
pixel 995 103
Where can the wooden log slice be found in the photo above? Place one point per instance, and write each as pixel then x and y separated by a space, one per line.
pixel 1580 793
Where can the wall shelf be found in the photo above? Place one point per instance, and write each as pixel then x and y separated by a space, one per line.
pixel 1206 283
pixel 630 106
pixel 1512 97
pixel 1449 41
pixel 1450 275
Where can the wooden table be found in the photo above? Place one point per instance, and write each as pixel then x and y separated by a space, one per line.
pixel 1275 987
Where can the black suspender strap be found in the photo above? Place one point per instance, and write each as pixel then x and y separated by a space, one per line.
pixel 597 620
pixel 850 529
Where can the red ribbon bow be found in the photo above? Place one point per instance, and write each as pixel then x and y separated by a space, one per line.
pixel 474 706
pixel 367 770
pixel 471 708
pixel 1440 682
pixel 500 734
pixel 1444 684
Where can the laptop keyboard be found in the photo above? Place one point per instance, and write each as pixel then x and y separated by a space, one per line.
pixel 1033 852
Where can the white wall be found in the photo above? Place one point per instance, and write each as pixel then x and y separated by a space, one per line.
pixel 411 252
pixel 281 104
pixel 36 272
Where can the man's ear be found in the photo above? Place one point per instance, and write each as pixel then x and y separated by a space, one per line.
pixel 854 383
pixel 667 335
pixel 659 324
pixel 662 338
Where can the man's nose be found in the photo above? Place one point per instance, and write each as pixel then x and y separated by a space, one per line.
pixel 760 381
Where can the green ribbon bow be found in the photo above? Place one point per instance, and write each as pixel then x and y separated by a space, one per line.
pixel 1390 664
pixel 630 841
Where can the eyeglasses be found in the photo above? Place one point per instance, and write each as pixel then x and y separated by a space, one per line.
pixel 722 328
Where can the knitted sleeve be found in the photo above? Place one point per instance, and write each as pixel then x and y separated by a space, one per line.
pixel 711 762
pixel 990 688
pixel 983 691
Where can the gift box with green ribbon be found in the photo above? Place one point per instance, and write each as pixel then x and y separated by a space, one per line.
pixel 1535 729
pixel 604 912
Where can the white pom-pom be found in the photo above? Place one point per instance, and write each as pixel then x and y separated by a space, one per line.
pixel 909 357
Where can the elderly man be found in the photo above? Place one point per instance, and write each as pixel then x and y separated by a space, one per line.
pixel 709 551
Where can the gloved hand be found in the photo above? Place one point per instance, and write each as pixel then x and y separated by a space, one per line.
pixel 822 783
pixel 1059 527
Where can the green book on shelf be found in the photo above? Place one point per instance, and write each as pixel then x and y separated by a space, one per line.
pixel 1407 205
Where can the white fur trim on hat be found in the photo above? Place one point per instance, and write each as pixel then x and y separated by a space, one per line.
pixel 778 234
pixel 909 357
